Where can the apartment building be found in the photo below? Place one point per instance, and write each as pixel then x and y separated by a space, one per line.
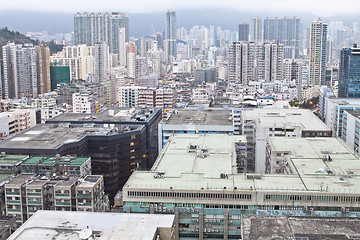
pixel 83 103
pixel 27 193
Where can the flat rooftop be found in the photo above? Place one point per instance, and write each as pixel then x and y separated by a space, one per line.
pixel 180 169
pixel 201 117
pixel 355 113
pixel 55 225
pixel 302 118
pixel 89 181
pixel 345 101
pixel 67 183
pixel 45 160
pixel 51 136
pixel 19 179
pixel 292 228
pixel 109 115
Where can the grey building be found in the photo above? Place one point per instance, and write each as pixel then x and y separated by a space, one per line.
pixel 94 28
pixel 244 32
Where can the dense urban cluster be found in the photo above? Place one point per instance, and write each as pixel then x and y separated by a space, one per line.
pixel 198 133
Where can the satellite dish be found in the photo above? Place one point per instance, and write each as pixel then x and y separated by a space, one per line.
pixel 85 233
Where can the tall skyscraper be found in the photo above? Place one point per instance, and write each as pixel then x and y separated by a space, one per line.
pixel 43 67
pixel 170 33
pixel 94 28
pixel 244 32
pixel 242 62
pixel 285 31
pixel 349 85
pixel 101 61
pixel 122 47
pixel 269 61
pixel 20 71
pixel 318 37
pixel 256 29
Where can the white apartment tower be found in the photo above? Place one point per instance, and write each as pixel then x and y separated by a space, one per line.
pixel 318 42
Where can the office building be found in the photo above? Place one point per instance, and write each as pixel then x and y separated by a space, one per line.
pixel 349 81
pixel 25 194
pixel 121 141
pixel 170 34
pixel 95 28
pixel 203 189
pixel 243 32
pixel 351 129
pixel 96 225
pixel 318 40
pixel 334 111
pixel 43 69
pixel 258 124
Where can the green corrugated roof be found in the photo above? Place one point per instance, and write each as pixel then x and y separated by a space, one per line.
pixel 33 160
pixel 78 161
pixel 4 176
pixel 11 159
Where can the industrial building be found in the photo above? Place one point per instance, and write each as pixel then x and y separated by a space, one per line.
pixel 94 225
pixel 258 124
pixel 202 186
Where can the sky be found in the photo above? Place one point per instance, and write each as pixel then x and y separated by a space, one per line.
pixel 318 7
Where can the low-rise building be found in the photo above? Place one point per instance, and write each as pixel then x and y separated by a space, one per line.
pixel 95 225
pixel 204 190
pixel 196 121
pixel 25 194
pixel 258 124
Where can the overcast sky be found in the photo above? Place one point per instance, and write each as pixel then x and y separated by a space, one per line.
pixel 318 7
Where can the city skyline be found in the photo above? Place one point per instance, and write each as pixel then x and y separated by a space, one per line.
pixel 320 7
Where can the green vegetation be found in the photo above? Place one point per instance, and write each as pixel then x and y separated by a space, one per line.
pixel 309 104
pixel 7 35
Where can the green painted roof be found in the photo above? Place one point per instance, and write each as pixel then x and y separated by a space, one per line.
pixel 12 159
pixel 33 160
pixel 43 160
pixel 4 176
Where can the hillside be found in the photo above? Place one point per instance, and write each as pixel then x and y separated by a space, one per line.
pixel 13 36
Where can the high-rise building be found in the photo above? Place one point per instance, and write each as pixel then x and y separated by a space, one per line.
pixel 20 71
pixel 350 73
pixel 269 61
pixel 244 32
pixel 43 67
pixel 318 40
pixel 101 61
pixel 285 31
pixel 242 62
pixel 256 29
pixel 170 33
pixel 59 74
pixel 94 28
pixel 122 47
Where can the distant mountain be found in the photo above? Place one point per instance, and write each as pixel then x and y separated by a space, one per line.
pixel 140 24
pixel 7 35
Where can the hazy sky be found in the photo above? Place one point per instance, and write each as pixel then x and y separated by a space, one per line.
pixel 319 7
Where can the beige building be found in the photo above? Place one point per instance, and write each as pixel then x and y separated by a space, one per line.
pixel 43 68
